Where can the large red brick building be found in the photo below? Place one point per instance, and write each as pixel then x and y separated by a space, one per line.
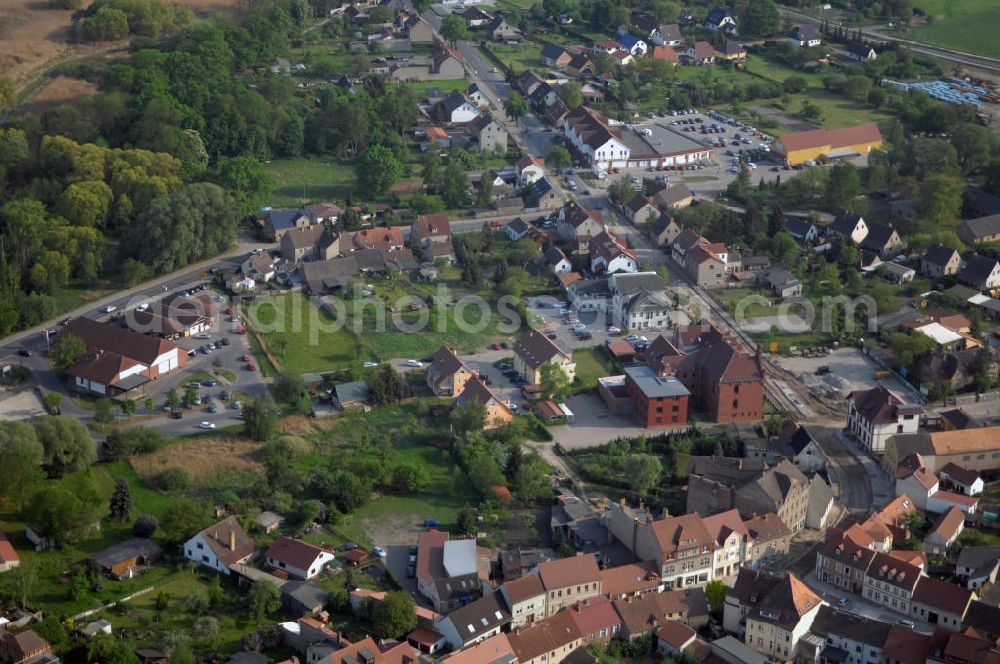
pixel 727 385
pixel 658 401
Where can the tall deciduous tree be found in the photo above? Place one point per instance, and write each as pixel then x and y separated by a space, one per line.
pixel 394 616
pixel 67 444
pixel 554 382
pixel 516 106
pixel 453 28
pixel 378 169
pixel 193 223
pixel 22 455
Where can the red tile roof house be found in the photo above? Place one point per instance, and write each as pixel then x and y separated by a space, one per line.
pixel 297 558
pixel 119 360
pixel 631 580
pixel 448 373
pixel 569 580
pixel 24 648
pixel 8 556
pixel 596 619
pixel 941 602
pixel 673 638
pixel 389 238
pixel 430 228
pixel 944 532
pixel 549 641
pixel 525 597
pixel 891 583
pixel 220 546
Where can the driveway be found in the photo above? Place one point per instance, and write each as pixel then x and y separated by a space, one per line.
pixel 594 424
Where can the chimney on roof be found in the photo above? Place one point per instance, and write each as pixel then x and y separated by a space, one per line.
pixel 232 540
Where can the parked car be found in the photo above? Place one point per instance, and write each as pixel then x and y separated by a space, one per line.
pixel 176 414
pixel 370 365
pixel 213 408
pixel 206 425
pixel 413 363
pixel 203 335
pixel 378 551
pixel 348 546
pixel 208 383
pixel 108 309
pixel 24 352
pixel 614 330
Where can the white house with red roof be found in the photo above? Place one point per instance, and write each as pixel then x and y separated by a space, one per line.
pixel 591 135
pixel 916 480
pixel 299 559
pixel 610 255
pixel 8 556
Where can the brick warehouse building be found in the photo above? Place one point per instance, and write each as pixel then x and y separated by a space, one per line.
pixel 658 401
pixel 724 383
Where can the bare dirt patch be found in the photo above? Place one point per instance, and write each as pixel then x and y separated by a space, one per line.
pixel 60 90
pixel 32 36
pixel 20 405
pixel 206 458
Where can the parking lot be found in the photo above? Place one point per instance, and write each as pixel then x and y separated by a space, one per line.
pixel 848 369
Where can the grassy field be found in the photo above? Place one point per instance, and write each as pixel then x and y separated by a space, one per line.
pixel 51 588
pixel 420 87
pixel 591 364
pixel 305 180
pixel 965 25
pixel 730 297
pixel 296 323
pixel 526 55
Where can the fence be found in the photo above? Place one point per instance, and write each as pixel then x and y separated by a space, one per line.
pixel 127 598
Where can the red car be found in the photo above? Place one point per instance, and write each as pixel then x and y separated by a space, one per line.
pixel 251 367
pixel 229 311
pixel 496 223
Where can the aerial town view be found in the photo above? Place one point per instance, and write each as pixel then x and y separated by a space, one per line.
pixel 500 331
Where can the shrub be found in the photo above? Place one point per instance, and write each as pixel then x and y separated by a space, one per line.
pixel 106 24
pixel 175 479
pixel 145 526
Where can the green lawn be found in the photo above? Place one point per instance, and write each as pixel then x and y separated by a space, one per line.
pixel 307 180
pixel 965 25
pixel 420 87
pixel 591 364
pixel 731 297
pixel 51 587
pixel 314 342
pixel 297 323
pixel 526 55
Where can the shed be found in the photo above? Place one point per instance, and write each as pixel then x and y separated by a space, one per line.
pixel 123 560
pixel 101 626
pixel 351 395
pixel 268 522
pixel 356 556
